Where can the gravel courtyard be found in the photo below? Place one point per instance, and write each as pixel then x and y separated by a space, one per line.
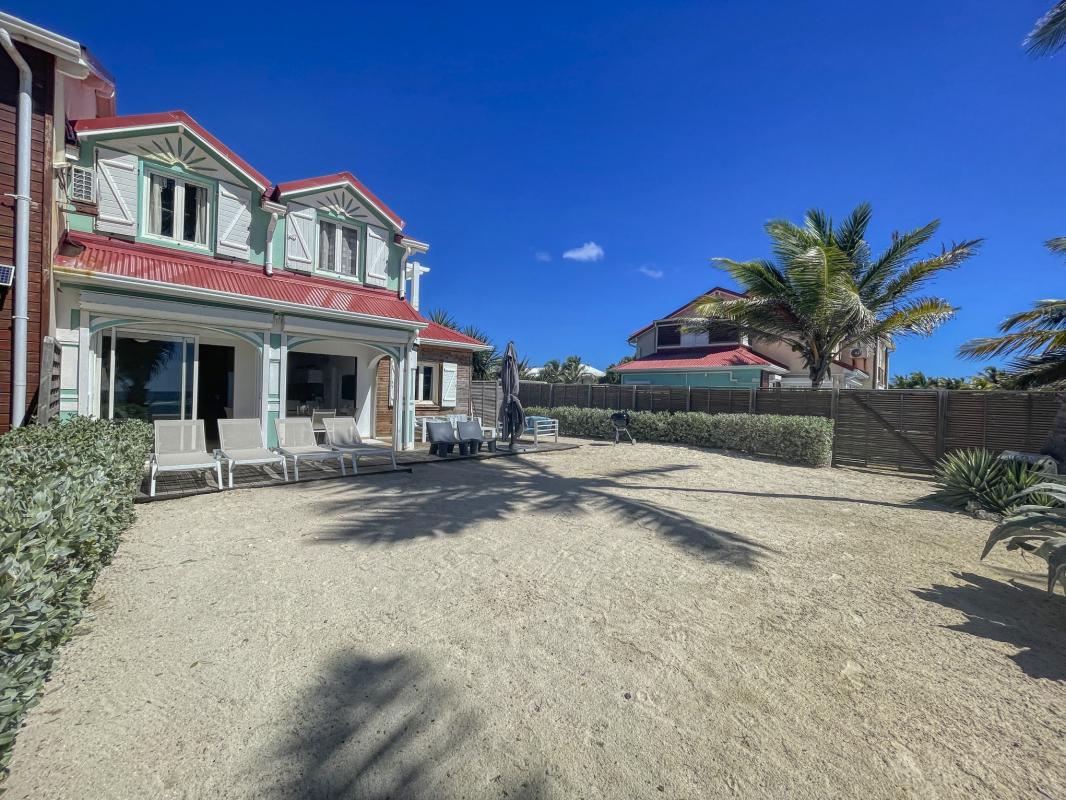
pixel 605 622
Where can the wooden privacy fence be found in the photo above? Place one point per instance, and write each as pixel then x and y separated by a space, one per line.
pixel 900 429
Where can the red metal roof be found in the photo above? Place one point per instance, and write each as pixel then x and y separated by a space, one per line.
pixel 134 121
pixel 677 311
pixel 288 187
pixel 697 358
pixel 439 333
pixel 90 252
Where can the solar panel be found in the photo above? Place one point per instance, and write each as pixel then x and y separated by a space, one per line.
pixel 7 274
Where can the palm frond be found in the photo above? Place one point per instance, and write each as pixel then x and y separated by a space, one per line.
pixel 1045 370
pixel 1049 35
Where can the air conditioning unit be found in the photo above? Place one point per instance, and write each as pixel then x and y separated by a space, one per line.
pixel 7 274
pixel 82 185
pixel 856 352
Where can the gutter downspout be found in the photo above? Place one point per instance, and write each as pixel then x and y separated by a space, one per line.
pixel 20 316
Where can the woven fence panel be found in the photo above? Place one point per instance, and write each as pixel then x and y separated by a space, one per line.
pixel 795 402
pixel 887 429
pixel 999 420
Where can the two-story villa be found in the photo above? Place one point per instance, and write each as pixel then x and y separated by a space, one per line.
pixel 666 355
pixel 189 286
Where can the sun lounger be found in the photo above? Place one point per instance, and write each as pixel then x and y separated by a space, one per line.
pixel 180 446
pixel 242 443
pixel 296 440
pixel 342 434
pixel 318 419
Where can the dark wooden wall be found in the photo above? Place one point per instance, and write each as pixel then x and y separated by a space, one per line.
pixel 43 68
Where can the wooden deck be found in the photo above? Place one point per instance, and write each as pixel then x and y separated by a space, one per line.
pixel 172 485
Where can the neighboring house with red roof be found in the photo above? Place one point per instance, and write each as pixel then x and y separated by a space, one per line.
pixel 667 355
pixel 188 285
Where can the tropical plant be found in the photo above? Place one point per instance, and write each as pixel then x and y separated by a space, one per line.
pixel 486 363
pixel 978 478
pixel 919 380
pixel 1049 35
pixel 1038 528
pixel 1036 337
pixel 614 377
pixel 824 288
pixel 550 371
pixel 571 370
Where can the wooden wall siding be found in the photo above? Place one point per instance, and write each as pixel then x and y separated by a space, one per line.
pixel 40 219
pixel 464 362
pixel 887 429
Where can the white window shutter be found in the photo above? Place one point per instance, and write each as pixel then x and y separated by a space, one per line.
pixel 299 236
pixel 449 378
pixel 116 192
pixel 377 256
pixel 234 220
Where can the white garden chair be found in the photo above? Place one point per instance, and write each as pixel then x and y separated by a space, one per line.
pixel 241 442
pixel 180 446
pixel 296 440
pixel 342 434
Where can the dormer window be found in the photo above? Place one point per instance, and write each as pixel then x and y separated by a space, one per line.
pixel 669 335
pixel 177 209
pixel 338 248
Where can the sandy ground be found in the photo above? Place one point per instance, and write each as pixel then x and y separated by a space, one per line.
pixel 625 622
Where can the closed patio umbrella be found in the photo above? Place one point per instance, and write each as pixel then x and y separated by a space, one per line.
pixel 512 417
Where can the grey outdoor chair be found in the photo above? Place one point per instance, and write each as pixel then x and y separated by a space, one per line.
pixel 442 439
pixel 180 446
pixel 296 440
pixel 473 436
pixel 342 434
pixel 241 442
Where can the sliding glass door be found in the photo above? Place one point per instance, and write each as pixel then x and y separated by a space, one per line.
pixel 147 376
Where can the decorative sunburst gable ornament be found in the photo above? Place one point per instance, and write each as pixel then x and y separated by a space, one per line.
pixel 341 204
pixel 180 153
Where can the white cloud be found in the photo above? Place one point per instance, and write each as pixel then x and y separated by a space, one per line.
pixel 650 272
pixel 589 251
pixel 543 256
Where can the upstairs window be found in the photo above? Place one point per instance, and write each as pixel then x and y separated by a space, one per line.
pixel 669 335
pixel 177 209
pixel 338 248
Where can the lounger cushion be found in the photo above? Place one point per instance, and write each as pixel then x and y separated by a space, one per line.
pixel 186 460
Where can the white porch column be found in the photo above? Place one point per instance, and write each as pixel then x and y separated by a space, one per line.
pixel 409 398
pixel 86 367
pixel 396 376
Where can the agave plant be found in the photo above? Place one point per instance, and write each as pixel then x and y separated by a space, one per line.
pixel 980 477
pixel 1038 528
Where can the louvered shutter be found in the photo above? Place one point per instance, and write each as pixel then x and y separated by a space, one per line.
pixel 299 236
pixel 234 220
pixel 377 256
pixel 116 192
pixel 449 378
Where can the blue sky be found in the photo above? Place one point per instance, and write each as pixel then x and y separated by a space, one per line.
pixel 662 133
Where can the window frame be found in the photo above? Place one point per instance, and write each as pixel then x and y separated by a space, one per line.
pixel 340 225
pixel 658 329
pixel 180 178
pixel 434 384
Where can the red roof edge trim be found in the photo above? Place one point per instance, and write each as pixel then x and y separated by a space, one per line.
pixel 701 358
pixel 288 187
pixel 87 126
pixel 439 333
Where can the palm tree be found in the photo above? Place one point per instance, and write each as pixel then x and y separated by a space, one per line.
pixel 572 370
pixel 442 317
pixel 551 371
pixel 1037 337
pixel 824 288
pixel 613 377
pixel 1049 35
pixel 486 363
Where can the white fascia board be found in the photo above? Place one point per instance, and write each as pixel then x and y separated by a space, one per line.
pixel 362 333
pixel 174 310
pixel 35 36
pixel 763 367
pixel 315 189
pixel 415 245
pixel 183 129
pixel 82 278
pixel 456 345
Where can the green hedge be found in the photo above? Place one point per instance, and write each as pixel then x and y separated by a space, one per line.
pixel 802 440
pixel 66 495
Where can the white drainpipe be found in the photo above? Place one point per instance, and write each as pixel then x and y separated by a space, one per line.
pixel 22 233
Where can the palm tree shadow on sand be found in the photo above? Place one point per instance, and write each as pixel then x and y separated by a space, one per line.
pixel 446 500
pixel 383 727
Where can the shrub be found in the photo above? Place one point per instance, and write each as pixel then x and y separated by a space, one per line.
pixel 1038 527
pixel 66 494
pixel 969 478
pixel 802 440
